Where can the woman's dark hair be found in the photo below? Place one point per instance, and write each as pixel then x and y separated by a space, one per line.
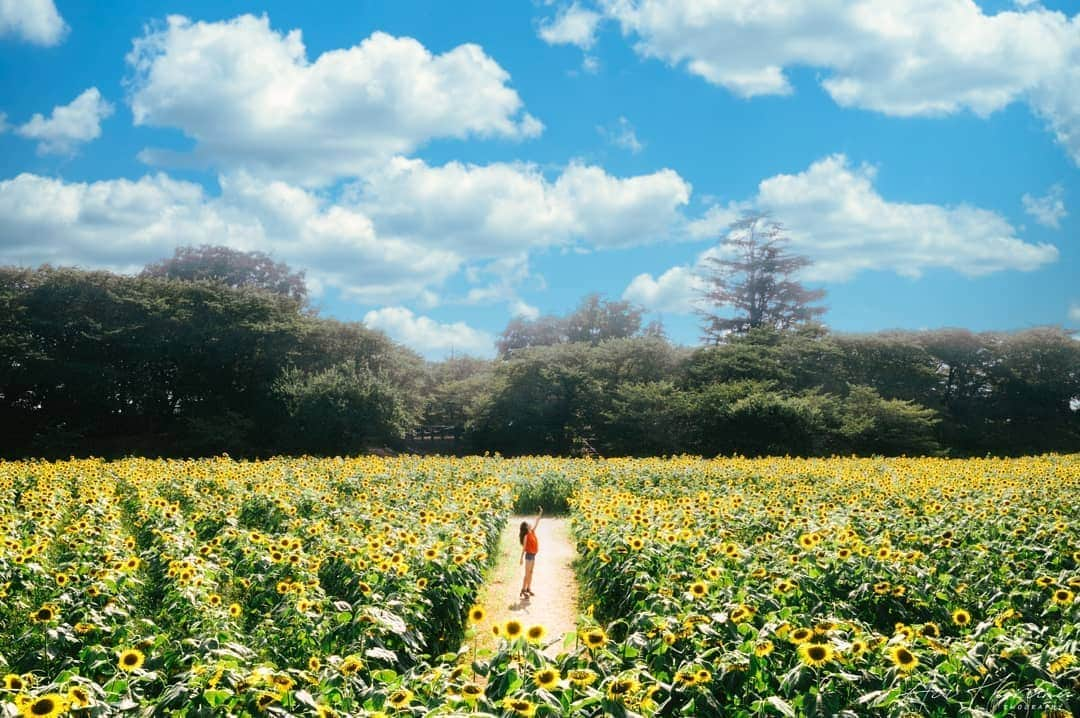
pixel 523 532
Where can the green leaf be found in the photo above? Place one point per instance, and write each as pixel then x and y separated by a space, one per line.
pixel 781 705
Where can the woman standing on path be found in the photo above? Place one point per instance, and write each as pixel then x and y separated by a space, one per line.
pixel 529 547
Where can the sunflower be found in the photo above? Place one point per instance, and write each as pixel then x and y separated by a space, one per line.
pixel 535 634
pixel 547 678
pixel 594 637
pixel 763 648
pixel 815 654
pixel 702 675
pixel 520 706
pixel 619 688
pixel 471 692
pixel 235 610
pixel 400 697
pixel 46 706
pixel 1060 663
pixel 314 664
pixel 741 613
pixel 264 700
pixel 512 629
pixel 350 665
pixel 213 599
pixel 1044 581
pixel 14 682
pixel 698 589
pixel 784 586
pixel 903 659
pixel 79 697
pixel 45 614
pixel 1063 597
pixel 683 679
pixel 324 711
pixel 282 682
pixel 930 630
pixel 476 615
pixel 800 635
pixel 131 659
pixel 581 677
pixel 859 647
pixel 961 617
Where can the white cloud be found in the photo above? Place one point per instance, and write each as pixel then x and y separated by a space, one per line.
pixel 69 125
pixel 4 126
pixel 251 98
pixel 1048 210
pixel 676 291
pixel 524 310
pixel 395 238
pixel 898 57
pixel 716 220
pixel 572 26
pixel 834 214
pixel 504 209
pixel 622 134
pixel 434 340
pixel 1074 312
pixel 121 225
pixel 35 21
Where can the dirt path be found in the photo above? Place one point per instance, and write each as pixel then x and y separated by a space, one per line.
pixel 555 604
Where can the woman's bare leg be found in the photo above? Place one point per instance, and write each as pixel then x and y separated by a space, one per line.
pixel 527 583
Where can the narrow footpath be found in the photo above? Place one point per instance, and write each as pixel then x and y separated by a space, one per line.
pixel 555 604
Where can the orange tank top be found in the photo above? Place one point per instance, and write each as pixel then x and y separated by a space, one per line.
pixel 531 544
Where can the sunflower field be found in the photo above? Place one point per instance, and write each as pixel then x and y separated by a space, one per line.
pixel 727 587
pixel 219 587
pixel 789 587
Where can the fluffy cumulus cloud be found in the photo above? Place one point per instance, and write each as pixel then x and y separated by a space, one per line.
pixel 898 57
pixel 434 340
pixel 34 21
pixel 676 291
pixel 1049 209
pixel 122 225
pixel 573 25
pixel 503 209
pixel 1074 312
pixel 395 237
pixel 833 214
pixel 69 125
pixel 250 97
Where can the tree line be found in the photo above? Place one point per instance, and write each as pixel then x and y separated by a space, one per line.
pixel 217 351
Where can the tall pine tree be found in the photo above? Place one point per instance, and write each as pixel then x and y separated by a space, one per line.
pixel 752 275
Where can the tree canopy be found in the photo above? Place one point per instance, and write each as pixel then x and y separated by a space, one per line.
pixel 752 273
pixel 232 268
pixel 94 363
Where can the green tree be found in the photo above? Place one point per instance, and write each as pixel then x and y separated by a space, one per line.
pixel 232 268
pixel 752 273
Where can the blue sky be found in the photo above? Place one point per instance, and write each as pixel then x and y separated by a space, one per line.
pixel 438 168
